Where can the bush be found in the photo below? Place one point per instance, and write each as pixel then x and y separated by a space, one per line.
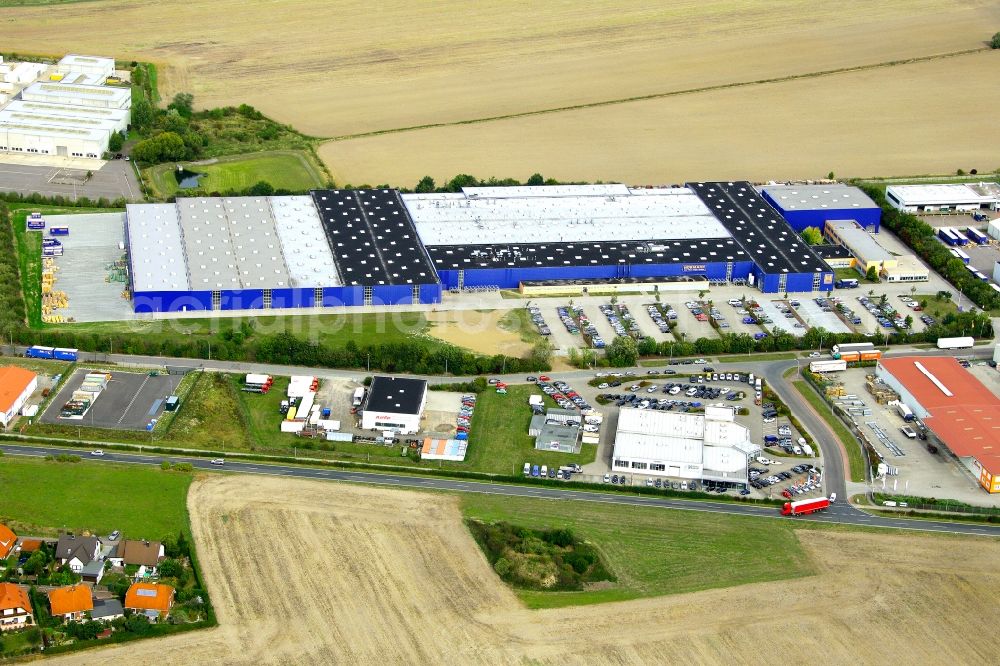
pixel 995 42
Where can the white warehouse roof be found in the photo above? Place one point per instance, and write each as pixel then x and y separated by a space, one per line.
pixel 945 194
pixel 861 243
pixel 560 213
pixel 59 93
pixel 307 252
pixel 156 248
pixel 818 197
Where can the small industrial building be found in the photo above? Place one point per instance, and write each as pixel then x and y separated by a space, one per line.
pixel 394 404
pixel 16 387
pixel 96 96
pixel 556 430
pixel 944 198
pixel 815 205
pixel 444 449
pixel 836 256
pixel 706 447
pixel 869 253
pixel 74 69
pixel 955 406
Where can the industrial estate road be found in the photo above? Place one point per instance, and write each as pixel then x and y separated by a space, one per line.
pixel 838 513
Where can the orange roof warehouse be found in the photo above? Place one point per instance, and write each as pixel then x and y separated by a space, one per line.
pixel 16 386
pixel 959 409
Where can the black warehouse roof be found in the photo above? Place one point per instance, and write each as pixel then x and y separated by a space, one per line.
pixel 396 395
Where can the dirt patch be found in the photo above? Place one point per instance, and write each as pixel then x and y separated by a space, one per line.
pixel 314 572
pixel 477 330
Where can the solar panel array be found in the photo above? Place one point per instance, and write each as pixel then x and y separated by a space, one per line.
pixel 769 241
pixel 372 238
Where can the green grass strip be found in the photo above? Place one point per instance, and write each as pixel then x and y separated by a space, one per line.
pixel 854 456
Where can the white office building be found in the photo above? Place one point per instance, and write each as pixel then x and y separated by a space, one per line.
pixel 704 447
pixel 394 404
pixel 944 198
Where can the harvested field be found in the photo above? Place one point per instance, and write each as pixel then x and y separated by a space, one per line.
pixel 341 68
pixel 363 575
pixel 859 123
pixel 477 330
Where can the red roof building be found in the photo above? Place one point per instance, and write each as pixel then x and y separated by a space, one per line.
pixel 958 408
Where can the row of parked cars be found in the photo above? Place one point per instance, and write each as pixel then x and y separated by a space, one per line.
pixel 660 318
pixel 539 321
pixel 588 328
pixel 829 304
pixel 637 401
pixel 761 477
pixel 567 319
pixel 562 393
pixel 465 416
pixel 885 314
pixel 564 473
pixel 621 320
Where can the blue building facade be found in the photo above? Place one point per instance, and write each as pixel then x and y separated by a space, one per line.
pixel 814 205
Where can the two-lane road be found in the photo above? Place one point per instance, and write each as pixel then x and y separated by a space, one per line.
pixel 839 513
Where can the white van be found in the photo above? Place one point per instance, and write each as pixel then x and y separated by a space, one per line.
pixel 527 469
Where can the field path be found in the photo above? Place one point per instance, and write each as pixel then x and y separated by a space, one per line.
pixel 305 572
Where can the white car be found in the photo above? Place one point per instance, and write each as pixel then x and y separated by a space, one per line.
pixel 97 452
pixel 770 420
pixel 814 355
pixel 218 461
pixel 607 478
pixel 833 497
pixel 700 361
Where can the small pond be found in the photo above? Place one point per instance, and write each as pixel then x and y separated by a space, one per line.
pixel 187 179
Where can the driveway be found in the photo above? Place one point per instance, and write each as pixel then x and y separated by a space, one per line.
pixel 115 179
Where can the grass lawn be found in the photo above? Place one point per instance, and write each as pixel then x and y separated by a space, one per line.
pixel 334 330
pixel 519 321
pixel 936 308
pixel 42 497
pixel 209 417
pixel 500 443
pixel 755 358
pixel 284 169
pixel 37 365
pixel 655 551
pixel 855 457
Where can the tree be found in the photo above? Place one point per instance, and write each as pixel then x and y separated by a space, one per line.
pixel 908 321
pixel 183 103
pixel 426 184
pixel 623 352
pixel 812 236
pixel 115 142
pixel 995 42
pixel 170 568
pixel 261 189
pixel 536 179
pixel 164 147
pixel 142 114
pixel 871 274
pixel 830 176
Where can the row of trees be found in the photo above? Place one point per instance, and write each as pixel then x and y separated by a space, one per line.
pixel 624 352
pixel 922 238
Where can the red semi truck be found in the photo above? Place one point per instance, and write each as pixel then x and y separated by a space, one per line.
pixel 805 507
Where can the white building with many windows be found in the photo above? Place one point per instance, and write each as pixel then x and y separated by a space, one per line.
pixel 706 447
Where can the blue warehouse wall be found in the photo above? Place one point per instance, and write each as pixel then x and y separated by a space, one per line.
pixel 341 296
pixel 398 294
pixel 430 293
pixel 171 301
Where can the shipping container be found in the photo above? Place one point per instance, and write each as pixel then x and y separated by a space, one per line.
pixel 59 231
pixel 961 254
pixel 976 235
pixel 828 366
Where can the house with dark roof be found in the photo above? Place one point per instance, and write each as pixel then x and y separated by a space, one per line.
pixel 106 610
pixel 144 554
pixel 82 555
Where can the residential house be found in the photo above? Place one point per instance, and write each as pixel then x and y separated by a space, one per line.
pixel 7 541
pixel 15 607
pixel 154 600
pixel 146 555
pixel 72 602
pixel 81 555
pixel 106 610
pixel 30 545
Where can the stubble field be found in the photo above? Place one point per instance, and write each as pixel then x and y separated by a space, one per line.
pixel 307 572
pixel 342 68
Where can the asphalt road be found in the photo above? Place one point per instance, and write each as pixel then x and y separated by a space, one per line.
pixel 838 513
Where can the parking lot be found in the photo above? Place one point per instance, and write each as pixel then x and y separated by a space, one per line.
pixel 815 316
pixel 773 311
pixel 115 179
pixel 130 401
pixel 918 471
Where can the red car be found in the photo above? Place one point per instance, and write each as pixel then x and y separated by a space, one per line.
pixel 543 378
pixel 786 494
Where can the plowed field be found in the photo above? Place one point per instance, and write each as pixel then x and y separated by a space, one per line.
pixel 306 572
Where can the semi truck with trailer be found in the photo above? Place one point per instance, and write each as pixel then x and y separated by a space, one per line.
pixel 853 352
pixel 955 343
pixel 805 507
pixel 846 283
pixel 38 351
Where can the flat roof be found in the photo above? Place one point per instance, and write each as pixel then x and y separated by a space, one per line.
pixel 69 93
pixel 654 435
pixel 307 253
pixel 549 255
pixel 156 248
pixel 76 60
pixel 42 127
pixel 832 251
pixel 207 244
pixel 946 193
pixel 396 395
pixel 68 111
pixel 560 213
pixel 861 243
pixel 372 238
pixel 769 240
pixel 818 197
pixel 964 413
pixel 255 243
